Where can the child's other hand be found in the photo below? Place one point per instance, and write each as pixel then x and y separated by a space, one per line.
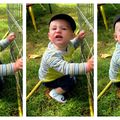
pixel 18 65
pixel 11 36
pixel 81 35
pixel 90 64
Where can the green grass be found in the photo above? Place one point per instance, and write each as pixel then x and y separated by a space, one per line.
pixel 109 104
pixel 8 97
pixel 39 104
pixel 3 20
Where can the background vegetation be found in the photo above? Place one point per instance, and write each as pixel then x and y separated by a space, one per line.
pixel 109 104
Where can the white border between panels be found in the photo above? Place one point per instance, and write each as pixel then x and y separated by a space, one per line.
pixel 24 59
pixel 95 60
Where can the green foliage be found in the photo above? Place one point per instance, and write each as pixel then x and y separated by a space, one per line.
pixel 111 10
pixel 3 20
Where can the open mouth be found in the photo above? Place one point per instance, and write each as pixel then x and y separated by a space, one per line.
pixel 58 36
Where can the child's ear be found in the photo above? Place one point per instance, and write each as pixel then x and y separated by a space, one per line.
pixel 115 36
pixel 74 35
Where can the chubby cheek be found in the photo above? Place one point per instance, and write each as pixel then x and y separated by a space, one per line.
pixel 119 36
pixel 50 36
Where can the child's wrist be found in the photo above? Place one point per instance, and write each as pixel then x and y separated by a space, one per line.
pixel 8 41
pixel 88 69
pixel 14 67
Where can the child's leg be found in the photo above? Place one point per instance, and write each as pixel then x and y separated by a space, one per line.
pixel 59 90
pixel 117 84
pixel 1 83
pixel 66 82
pixel 60 86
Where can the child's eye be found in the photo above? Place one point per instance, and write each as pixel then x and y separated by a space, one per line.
pixel 64 28
pixel 53 28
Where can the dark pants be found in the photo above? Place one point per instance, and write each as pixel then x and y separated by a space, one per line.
pixel 1 80
pixel 117 84
pixel 66 83
pixel 1 83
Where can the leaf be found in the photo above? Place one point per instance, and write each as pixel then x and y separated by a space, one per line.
pixel 34 56
pixel 105 55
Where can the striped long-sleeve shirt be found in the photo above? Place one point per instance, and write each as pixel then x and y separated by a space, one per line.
pixel 5 69
pixel 115 63
pixel 56 63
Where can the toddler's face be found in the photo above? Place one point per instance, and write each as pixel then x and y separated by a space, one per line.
pixel 117 32
pixel 60 33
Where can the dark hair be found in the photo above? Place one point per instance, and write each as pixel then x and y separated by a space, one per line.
pixel 65 17
pixel 117 19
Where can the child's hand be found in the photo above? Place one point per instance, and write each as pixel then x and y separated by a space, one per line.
pixel 81 35
pixel 11 37
pixel 90 64
pixel 18 65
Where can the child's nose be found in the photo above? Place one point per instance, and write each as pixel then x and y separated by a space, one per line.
pixel 58 30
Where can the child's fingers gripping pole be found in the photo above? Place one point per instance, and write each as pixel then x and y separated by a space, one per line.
pixel 34 89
